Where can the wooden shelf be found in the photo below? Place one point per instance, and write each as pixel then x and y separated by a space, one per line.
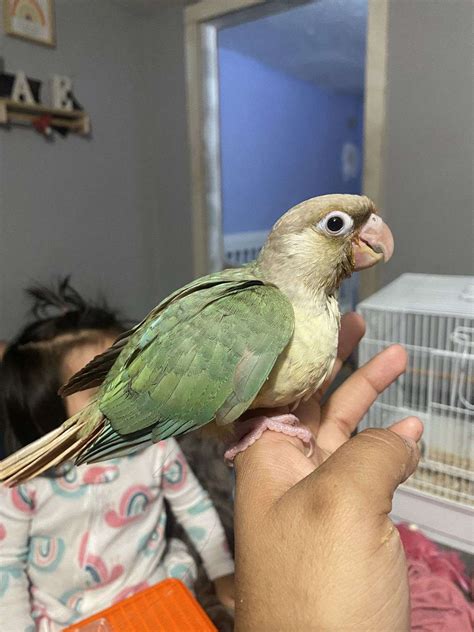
pixel 12 112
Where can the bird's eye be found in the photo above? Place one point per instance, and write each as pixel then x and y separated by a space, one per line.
pixel 336 223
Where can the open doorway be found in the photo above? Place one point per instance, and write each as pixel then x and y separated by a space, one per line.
pixel 291 99
pixel 277 92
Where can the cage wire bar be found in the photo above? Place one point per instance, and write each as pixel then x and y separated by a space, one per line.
pixel 432 316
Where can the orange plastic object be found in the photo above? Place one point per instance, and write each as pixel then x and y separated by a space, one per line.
pixel 165 607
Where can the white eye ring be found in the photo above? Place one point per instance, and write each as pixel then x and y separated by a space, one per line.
pixel 336 224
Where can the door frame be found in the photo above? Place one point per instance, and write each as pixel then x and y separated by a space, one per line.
pixel 202 22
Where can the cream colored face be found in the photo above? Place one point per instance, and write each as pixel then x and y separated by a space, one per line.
pixel 323 240
pixel 74 361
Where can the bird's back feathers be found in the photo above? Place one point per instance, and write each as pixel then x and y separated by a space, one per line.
pixel 203 358
pixel 95 372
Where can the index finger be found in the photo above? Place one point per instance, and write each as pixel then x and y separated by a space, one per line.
pixel 346 406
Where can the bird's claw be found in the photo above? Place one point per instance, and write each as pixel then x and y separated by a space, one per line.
pixel 252 429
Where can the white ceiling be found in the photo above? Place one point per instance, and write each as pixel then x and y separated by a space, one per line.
pixel 322 42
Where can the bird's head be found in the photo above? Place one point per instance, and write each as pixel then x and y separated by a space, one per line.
pixel 323 240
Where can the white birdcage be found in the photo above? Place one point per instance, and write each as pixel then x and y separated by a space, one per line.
pixel 433 318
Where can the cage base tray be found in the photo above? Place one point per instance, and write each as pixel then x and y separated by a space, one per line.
pixel 442 520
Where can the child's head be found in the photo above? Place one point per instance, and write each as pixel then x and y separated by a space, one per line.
pixel 65 334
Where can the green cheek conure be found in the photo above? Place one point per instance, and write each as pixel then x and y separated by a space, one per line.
pixel 260 336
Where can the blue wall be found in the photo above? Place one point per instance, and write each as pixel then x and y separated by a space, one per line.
pixel 281 141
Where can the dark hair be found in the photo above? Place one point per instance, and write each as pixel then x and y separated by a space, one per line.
pixel 30 371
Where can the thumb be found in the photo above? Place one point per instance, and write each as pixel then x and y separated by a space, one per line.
pixel 366 470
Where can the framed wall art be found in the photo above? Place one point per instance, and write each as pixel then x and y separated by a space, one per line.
pixel 31 20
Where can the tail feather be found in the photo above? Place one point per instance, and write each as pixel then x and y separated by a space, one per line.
pixel 20 455
pixel 38 464
pixel 108 444
pixel 54 448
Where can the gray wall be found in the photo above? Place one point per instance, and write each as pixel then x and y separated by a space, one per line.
pixel 113 211
pixel 429 144
pixel 166 161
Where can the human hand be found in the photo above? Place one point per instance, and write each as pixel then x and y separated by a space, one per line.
pixel 225 590
pixel 315 549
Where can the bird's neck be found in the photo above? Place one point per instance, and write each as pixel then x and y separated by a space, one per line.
pixel 301 289
pixel 302 269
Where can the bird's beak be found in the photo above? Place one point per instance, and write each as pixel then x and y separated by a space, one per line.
pixel 372 244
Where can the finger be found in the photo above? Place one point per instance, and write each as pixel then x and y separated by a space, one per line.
pixel 363 473
pixel 350 334
pixel 347 406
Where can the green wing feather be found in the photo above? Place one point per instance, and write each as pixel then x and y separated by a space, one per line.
pixel 205 357
pixel 202 355
pixel 111 361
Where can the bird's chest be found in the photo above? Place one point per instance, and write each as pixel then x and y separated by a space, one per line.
pixel 308 358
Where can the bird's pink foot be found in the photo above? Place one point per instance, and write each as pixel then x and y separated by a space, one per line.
pixel 252 429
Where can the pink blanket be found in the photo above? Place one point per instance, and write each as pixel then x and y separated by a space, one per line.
pixel 438 586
